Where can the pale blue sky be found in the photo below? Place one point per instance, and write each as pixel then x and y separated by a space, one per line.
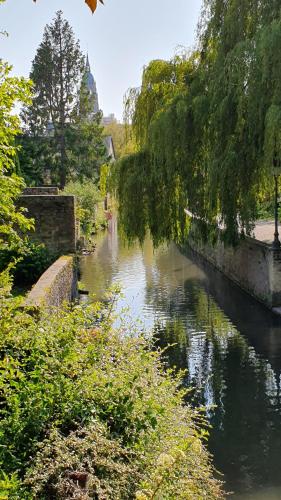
pixel 120 37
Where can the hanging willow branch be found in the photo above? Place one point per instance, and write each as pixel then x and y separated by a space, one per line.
pixel 208 127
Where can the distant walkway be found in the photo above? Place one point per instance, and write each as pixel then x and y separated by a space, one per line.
pixel 264 231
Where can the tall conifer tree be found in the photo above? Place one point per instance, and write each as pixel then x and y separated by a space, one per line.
pixel 57 70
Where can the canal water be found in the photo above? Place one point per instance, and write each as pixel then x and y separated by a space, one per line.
pixel 229 344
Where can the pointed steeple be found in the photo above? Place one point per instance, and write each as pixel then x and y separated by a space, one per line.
pixel 88 67
pixel 91 85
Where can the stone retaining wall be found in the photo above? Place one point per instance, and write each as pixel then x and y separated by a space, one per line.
pixel 57 285
pixel 255 266
pixel 55 223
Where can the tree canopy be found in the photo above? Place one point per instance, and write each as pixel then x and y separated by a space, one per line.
pixel 208 125
pixel 62 135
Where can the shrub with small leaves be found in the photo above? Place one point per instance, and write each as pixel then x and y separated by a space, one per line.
pixel 30 261
pixel 88 411
pixel 86 464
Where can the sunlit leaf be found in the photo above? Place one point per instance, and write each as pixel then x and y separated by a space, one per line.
pixel 91 3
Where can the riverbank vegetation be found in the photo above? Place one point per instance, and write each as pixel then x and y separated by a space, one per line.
pixel 27 262
pixel 207 125
pixel 89 206
pixel 87 411
pixel 62 140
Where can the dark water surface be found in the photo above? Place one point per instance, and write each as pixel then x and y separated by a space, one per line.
pixel 229 343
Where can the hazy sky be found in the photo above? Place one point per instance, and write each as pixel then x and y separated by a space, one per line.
pixel 120 37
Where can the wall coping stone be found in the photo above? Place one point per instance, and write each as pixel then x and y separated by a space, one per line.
pixel 41 191
pixel 55 286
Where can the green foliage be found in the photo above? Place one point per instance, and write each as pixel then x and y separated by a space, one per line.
pixel 88 196
pixel 123 141
pixel 12 220
pixel 28 262
pixel 273 135
pixel 9 486
pixel 147 202
pixel 210 128
pixel 86 151
pixel 87 408
pixel 131 176
pixel 104 179
pixel 161 81
pixel 103 465
pixel 62 136
pixel 37 160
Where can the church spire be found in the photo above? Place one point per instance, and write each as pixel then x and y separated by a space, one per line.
pixel 88 67
pixel 91 85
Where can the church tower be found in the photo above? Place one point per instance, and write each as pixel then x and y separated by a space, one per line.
pixel 91 86
pixel 92 89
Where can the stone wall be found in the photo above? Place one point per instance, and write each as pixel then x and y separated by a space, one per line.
pixel 57 285
pixel 55 223
pixel 42 190
pixel 253 265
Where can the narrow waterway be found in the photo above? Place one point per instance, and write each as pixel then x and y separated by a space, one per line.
pixel 230 345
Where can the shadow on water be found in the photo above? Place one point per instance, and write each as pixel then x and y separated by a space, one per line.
pixel 230 344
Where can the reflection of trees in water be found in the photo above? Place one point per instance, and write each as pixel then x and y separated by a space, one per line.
pixel 100 269
pixel 246 435
pixel 172 333
pixel 166 271
pixel 228 372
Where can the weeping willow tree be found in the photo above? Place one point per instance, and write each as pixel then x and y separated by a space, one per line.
pixel 149 187
pixel 240 65
pixel 208 126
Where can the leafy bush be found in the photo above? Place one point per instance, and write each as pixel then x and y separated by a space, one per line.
pixel 12 91
pixel 87 459
pixel 266 209
pixel 88 411
pixel 30 261
pixel 88 197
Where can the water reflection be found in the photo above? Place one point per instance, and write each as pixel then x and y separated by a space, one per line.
pixel 230 345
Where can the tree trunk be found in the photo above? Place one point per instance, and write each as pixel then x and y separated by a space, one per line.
pixel 63 157
pixel 63 162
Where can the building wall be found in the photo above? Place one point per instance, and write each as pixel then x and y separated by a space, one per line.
pixel 253 265
pixel 55 223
